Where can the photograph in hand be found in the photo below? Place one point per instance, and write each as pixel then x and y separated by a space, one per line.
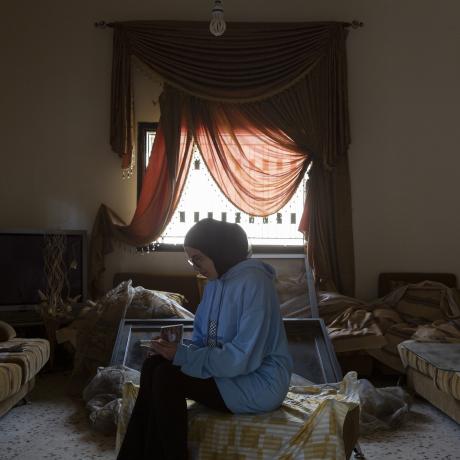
pixel 133 344
pixel 172 333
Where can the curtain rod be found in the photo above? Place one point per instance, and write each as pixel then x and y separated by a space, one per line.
pixel 353 24
pixel 103 24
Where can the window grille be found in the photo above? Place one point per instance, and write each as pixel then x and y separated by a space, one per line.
pixel 201 197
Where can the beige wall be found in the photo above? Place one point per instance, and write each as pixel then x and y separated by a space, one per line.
pixel 404 70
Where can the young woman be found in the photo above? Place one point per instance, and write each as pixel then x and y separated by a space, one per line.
pixel 238 360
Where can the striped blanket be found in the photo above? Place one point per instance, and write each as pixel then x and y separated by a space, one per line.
pixel 307 426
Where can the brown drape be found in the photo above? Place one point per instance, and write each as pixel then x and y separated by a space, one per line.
pixel 250 62
pixel 328 225
pixel 280 85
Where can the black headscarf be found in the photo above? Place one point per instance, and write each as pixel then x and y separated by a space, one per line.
pixel 224 243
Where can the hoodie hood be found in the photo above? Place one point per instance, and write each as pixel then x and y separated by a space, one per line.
pixel 250 264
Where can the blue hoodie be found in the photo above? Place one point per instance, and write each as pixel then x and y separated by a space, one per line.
pixel 248 353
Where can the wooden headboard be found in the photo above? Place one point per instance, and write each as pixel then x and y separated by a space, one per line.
pixel 387 280
pixel 186 285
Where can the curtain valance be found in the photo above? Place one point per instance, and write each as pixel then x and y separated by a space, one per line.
pixel 251 62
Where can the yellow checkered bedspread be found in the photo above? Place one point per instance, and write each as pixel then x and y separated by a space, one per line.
pixel 307 426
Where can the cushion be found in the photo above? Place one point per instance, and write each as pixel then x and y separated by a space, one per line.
pixel 10 379
pixel 7 332
pixel 34 356
pixel 439 361
pixel 422 304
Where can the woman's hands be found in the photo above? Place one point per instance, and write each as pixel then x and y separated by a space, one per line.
pixel 164 348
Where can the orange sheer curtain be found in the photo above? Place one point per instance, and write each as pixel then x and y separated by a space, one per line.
pixel 258 168
pixel 257 176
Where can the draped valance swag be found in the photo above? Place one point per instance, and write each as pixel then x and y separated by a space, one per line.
pixel 280 84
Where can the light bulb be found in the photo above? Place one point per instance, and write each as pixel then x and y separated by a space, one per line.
pixel 217 26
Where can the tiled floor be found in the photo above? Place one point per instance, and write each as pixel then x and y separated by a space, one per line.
pixel 427 434
pixel 55 427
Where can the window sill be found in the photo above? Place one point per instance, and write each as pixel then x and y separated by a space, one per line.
pixel 256 249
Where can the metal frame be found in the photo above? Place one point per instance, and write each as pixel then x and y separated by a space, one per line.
pixel 312 296
pixel 318 358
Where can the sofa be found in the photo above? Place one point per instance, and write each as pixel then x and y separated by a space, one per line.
pixel 433 372
pixel 20 361
pixel 414 306
pixel 425 346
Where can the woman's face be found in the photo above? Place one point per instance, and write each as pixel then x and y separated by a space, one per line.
pixel 200 262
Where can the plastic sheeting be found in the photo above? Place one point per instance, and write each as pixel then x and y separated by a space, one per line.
pixel 381 408
pixel 103 396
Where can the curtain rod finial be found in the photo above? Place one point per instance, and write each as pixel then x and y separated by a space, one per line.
pixel 100 25
pixel 356 24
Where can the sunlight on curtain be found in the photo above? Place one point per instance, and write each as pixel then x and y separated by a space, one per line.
pixel 202 198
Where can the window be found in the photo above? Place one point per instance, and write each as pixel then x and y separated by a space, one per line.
pixel 279 229
pixel 145 138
